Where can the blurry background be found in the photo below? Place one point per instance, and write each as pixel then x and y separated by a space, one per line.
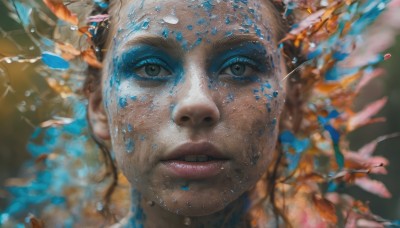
pixel 21 110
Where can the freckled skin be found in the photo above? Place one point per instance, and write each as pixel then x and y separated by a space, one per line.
pixel 243 122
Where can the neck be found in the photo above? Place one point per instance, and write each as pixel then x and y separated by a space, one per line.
pixel 149 215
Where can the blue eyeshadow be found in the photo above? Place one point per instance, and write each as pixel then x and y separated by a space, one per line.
pixel 131 59
pixel 254 51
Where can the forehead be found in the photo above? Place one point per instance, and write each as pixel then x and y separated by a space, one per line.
pixel 193 21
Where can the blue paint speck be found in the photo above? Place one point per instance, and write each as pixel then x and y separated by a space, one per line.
pixel 227 20
pixel 214 31
pixel 165 33
pixel 190 27
pixel 130 145
pixel 185 187
pixel 201 21
pixel 179 36
pixel 122 102
pixel 130 128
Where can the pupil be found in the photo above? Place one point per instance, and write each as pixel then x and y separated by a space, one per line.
pixel 238 69
pixel 152 70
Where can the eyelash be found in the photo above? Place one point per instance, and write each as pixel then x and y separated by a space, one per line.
pixel 242 60
pixel 152 61
pixel 156 61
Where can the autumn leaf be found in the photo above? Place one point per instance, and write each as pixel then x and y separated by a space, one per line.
pixel 89 57
pixel 57 121
pixel 68 51
pixel 61 11
pixel 365 115
pixel 325 208
pixel 373 186
pixel 369 148
pixel 35 223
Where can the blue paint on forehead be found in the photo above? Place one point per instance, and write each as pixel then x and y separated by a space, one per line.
pixel 179 36
pixel 214 31
pixel 165 33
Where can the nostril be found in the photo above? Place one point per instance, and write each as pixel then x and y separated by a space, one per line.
pixel 208 119
pixel 185 118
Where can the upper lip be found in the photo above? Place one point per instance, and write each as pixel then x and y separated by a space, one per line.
pixel 194 148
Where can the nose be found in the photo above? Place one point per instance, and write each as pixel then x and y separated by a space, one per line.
pixel 195 106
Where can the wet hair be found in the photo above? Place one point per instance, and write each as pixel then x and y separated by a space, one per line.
pixel 291 117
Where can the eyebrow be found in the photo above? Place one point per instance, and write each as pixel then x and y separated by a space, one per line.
pixel 155 41
pixel 229 41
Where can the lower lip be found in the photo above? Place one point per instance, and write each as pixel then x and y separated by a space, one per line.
pixel 194 170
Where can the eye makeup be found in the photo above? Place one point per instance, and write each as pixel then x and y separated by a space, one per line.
pixel 135 63
pixel 248 53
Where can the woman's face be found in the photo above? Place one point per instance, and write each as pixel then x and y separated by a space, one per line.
pixel 192 94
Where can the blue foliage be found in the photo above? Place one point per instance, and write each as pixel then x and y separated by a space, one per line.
pixel 54 61
pixel 293 148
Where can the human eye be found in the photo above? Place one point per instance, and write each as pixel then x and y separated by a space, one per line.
pixel 152 69
pixel 239 67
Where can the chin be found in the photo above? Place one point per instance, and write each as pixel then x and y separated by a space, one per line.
pixel 198 203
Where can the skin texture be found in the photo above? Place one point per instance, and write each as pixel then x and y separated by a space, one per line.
pixel 200 94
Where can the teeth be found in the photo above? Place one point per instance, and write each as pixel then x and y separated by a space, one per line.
pixel 196 158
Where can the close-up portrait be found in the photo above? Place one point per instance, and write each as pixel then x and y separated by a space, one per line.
pixel 199 113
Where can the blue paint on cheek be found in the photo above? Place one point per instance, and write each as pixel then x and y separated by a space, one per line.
pixel 230 97
pixel 122 102
pixel 130 128
pixel 185 187
pixel 267 85
pixel 201 21
pixel 190 27
pixel 275 93
pixel 227 20
pixel 268 105
pixel 129 145
pixel 214 31
pixel 133 98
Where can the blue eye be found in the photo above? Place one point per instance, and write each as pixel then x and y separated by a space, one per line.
pixel 152 69
pixel 239 67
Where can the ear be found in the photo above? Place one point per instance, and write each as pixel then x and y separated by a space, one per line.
pixel 97 115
